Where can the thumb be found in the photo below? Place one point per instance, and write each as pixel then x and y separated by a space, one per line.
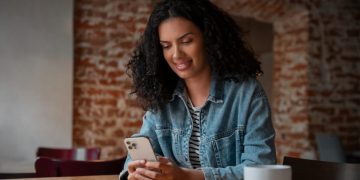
pixel 163 159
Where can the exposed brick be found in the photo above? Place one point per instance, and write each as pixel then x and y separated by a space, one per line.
pixel 119 133
pixel 105 33
pixel 324 110
pixel 294 154
pixel 132 124
pixel 299 118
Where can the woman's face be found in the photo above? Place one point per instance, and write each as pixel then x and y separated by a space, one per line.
pixel 183 48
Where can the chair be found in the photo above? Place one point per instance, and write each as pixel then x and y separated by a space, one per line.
pixel 315 170
pixel 69 153
pixel 48 167
pixel 330 147
pixel 82 168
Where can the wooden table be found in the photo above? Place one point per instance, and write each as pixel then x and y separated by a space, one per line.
pixel 103 177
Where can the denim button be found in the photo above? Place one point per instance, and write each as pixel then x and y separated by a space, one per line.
pixel 186 159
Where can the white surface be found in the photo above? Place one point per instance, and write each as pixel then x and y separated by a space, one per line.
pixel 267 172
pixel 36 67
pixel 17 167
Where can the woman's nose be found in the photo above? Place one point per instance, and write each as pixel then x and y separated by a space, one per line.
pixel 177 53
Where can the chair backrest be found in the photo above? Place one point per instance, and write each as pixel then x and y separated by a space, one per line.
pixel 46 167
pixel 69 153
pixel 315 170
pixel 86 168
pixel 330 147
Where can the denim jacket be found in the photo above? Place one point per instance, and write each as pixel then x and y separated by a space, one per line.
pixel 236 129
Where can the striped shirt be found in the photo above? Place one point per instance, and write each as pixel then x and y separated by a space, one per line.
pixel 194 142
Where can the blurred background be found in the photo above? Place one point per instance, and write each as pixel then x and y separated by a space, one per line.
pixel 63 81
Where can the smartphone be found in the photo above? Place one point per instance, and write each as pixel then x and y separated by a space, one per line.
pixel 140 148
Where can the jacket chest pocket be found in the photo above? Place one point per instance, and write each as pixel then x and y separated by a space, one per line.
pixel 169 141
pixel 228 147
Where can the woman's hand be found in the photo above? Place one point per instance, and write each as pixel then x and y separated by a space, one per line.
pixel 163 169
pixel 132 166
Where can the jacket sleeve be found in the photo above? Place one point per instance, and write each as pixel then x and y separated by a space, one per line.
pixel 147 129
pixel 258 142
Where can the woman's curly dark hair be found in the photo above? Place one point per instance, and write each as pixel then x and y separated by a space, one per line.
pixel 228 55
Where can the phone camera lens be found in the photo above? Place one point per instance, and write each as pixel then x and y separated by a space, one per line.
pixel 127 142
pixel 130 147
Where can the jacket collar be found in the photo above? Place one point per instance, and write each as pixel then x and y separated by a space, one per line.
pixel 215 94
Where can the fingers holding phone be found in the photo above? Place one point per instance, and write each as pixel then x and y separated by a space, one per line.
pixel 133 165
pixel 140 169
pixel 161 169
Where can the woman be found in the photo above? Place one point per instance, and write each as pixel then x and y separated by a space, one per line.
pixel 207 115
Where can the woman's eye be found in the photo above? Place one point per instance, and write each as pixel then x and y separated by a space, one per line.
pixel 186 41
pixel 165 46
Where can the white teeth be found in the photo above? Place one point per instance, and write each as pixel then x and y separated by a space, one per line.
pixel 182 66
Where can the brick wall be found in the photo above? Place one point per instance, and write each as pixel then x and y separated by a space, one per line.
pixel 105 34
pixel 316 70
pixel 334 71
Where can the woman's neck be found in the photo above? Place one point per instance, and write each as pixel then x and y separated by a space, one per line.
pixel 198 89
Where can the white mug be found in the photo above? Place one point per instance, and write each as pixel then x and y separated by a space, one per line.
pixel 267 172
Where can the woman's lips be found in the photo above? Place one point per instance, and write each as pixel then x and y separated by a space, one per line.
pixel 182 66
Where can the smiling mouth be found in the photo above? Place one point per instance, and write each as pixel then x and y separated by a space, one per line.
pixel 183 65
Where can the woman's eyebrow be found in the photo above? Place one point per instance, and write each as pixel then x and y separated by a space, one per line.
pixel 184 35
pixel 179 38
